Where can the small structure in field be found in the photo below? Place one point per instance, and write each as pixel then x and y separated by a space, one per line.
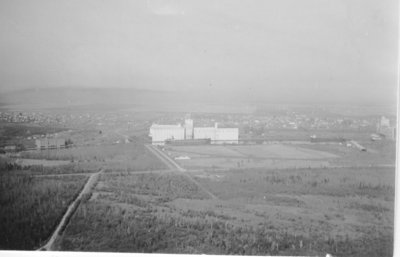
pixel 10 148
pixel 385 129
pixel 182 158
pixel 50 143
pixel 358 146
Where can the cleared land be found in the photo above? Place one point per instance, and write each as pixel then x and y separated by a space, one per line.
pixel 44 163
pixel 130 157
pixel 14 133
pixel 273 156
pixel 378 153
pixel 347 212
pixel 285 156
pixel 281 151
pixel 277 199
pixel 35 193
pixel 32 206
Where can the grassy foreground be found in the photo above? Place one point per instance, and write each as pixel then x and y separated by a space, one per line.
pixel 31 207
pixel 292 212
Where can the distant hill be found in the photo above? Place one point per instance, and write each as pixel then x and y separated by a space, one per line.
pixel 74 97
pixel 115 98
pixel 207 100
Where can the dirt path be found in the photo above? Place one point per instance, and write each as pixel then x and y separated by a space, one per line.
pixel 86 189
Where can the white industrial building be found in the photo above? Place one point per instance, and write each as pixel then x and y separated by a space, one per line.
pixel 50 143
pixel 188 129
pixel 385 129
pixel 217 135
pixel 161 133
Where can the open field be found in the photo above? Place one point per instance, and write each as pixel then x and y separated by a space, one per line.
pixel 32 206
pixel 14 166
pixel 304 134
pixel 45 163
pixel 273 156
pixel 285 156
pixel 34 193
pixel 286 198
pixel 378 153
pixel 229 163
pixel 118 157
pixel 346 212
pixel 280 151
pixel 14 133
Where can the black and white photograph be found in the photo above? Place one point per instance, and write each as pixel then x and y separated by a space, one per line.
pixel 199 127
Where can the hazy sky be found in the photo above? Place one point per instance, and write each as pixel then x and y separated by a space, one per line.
pixel 306 48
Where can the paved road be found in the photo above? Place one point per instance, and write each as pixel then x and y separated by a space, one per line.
pixel 86 189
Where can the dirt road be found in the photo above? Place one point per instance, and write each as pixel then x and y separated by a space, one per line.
pixel 173 165
pixel 160 155
pixel 86 189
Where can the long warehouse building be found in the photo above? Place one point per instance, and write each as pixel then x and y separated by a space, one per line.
pixel 162 133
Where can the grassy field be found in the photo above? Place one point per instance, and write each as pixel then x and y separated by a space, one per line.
pixel 345 212
pixel 281 151
pixel 378 153
pixel 117 157
pixel 273 156
pixel 304 135
pixel 230 163
pixel 14 133
pixel 252 151
pixel 14 166
pixel 277 199
pixel 31 207
pixel 285 156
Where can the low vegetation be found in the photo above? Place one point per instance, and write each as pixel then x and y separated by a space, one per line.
pixel 164 186
pixel 31 207
pixel 13 133
pixel 113 228
pixel 130 156
pixel 290 212
pixel 265 204
pixel 256 183
pixel 9 165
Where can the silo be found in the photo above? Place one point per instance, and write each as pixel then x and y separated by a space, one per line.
pixel 188 129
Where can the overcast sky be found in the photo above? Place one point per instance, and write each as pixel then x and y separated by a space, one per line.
pixel 305 48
